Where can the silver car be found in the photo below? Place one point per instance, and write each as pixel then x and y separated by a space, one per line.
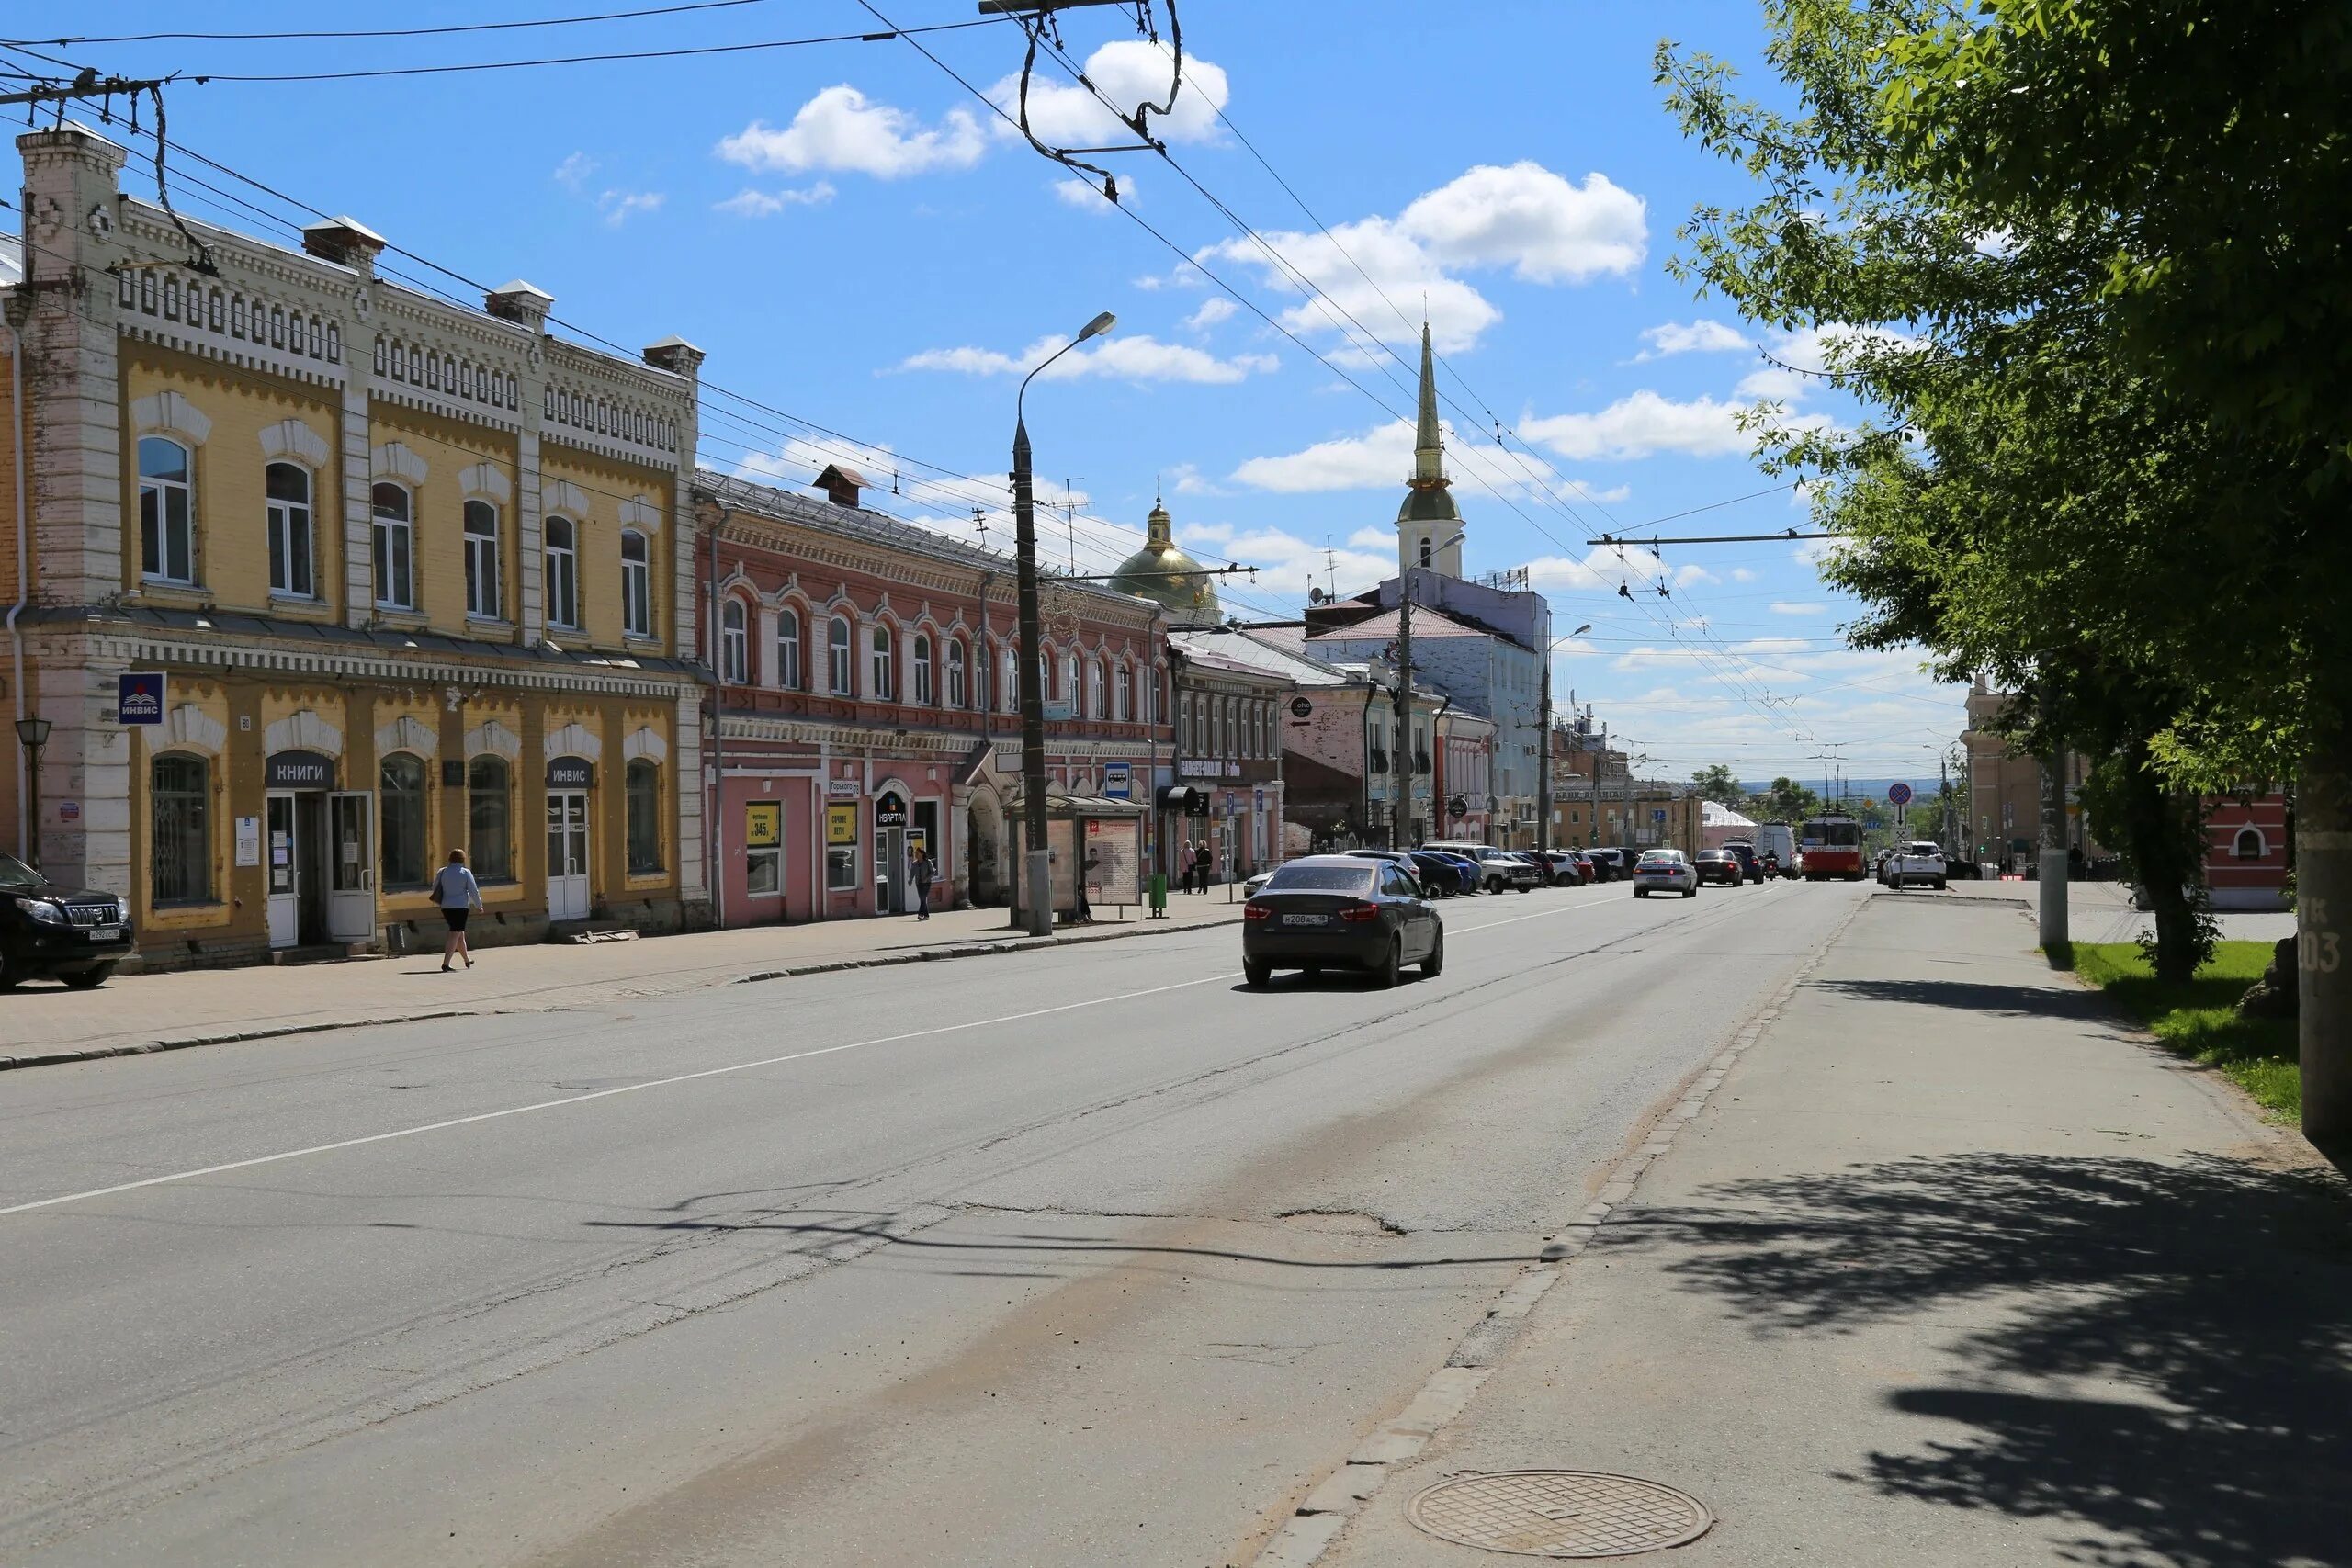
pixel 1665 871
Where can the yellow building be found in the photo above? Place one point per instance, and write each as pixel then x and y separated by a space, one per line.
pixel 327 577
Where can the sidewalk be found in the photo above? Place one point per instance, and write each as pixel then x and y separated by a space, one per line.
pixel 1948 1268
pixel 42 1022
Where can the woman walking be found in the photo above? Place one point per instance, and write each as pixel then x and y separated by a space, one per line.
pixel 458 895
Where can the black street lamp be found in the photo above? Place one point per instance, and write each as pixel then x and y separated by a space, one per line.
pixel 1037 882
pixel 32 734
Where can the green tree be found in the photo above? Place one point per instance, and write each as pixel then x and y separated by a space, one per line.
pixel 1787 801
pixel 1717 782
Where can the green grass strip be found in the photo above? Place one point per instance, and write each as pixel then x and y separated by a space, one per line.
pixel 2195 1018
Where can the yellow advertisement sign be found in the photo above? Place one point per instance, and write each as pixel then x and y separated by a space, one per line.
pixel 840 825
pixel 763 825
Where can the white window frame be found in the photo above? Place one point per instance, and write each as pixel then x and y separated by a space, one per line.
pixel 1122 695
pixel 840 655
pixel 166 491
pixel 286 519
pixel 882 662
pixel 636 585
pixel 1096 692
pixel 562 575
pixel 926 684
pixel 788 673
pixel 485 595
pixel 384 533
pixel 735 642
pixel 959 685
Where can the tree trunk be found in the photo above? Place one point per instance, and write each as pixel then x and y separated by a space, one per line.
pixel 2322 906
pixel 2051 861
pixel 2166 841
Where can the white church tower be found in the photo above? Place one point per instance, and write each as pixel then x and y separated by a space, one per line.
pixel 1428 526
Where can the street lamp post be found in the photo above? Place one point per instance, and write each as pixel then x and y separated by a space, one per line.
pixel 32 734
pixel 1402 763
pixel 1037 881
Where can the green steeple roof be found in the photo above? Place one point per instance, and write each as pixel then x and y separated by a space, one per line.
pixel 1428 499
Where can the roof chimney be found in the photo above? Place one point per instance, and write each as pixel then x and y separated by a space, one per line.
pixel 841 485
pixel 676 356
pixel 347 242
pixel 519 301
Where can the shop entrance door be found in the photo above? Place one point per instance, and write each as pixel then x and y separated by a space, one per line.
pixel 351 869
pixel 295 867
pixel 567 855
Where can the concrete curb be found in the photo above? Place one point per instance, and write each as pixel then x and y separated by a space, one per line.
pixel 494 1008
pixel 1340 1496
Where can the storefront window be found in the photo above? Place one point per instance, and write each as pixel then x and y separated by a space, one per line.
pixel 644 818
pixel 840 868
pixel 401 787
pixel 180 796
pixel 490 819
pixel 763 849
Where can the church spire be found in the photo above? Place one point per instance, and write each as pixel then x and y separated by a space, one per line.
pixel 1428 439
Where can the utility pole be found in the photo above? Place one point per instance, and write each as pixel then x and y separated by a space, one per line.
pixel 1543 759
pixel 2052 867
pixel 1401 762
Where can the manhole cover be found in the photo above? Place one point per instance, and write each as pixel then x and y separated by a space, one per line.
pixel 1559 1513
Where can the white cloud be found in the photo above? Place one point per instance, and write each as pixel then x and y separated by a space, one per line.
pixel 1087 196
pixel 1742 574
pixel 1381 458
pixel 1129 73
pixel 1288 563
pixel 750 203
pixel 840 129
pixel 1395 270
pixel 1780 607
pixel 1546 229
pixel 1642 424
pixel 1613 494
pixel 1185 478
pixel 1217 307
pixel 620 206
pixel 1698 337
pixel 1372 538
pixel 573 172
pixel 1140 357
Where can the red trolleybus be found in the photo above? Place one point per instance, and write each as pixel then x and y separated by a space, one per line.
pixel 1833 847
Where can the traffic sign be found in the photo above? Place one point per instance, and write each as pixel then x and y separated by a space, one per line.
pixel 1898 793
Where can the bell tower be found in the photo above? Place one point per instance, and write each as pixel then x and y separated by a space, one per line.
pixel 1428 522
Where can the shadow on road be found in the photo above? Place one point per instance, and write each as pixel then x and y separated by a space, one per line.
pixel 2208 1305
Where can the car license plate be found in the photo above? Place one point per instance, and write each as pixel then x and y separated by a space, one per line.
pixel 1307 919
pixel 106 934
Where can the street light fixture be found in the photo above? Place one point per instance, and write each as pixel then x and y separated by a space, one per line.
pixel 1402 764
pixel 32 734
pixel 1037 884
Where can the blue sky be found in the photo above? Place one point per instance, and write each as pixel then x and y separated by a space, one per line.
pixel 863 246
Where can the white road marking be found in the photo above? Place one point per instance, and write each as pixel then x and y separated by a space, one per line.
pixel 668 1082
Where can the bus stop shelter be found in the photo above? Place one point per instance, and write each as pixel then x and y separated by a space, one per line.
pixel 1095 844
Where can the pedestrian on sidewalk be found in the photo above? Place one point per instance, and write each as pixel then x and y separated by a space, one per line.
pixel 923 873
pixel 1184 869
pixel 458 895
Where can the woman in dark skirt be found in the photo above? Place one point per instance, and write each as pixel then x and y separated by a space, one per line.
pixel 455 890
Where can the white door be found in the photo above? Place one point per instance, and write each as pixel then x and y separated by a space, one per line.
pixel 351 874
pixel 567 855
pixel 283 846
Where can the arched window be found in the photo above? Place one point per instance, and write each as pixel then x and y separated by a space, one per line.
pixel 394 527
pixel 400 791
pixel 1070 689
pixel 924 674
pixel 644 790
pixel 1123 695
pixel 636 585
pixel 983 665
pixel 179 849
pixel 1010 698
pixel 788 650
pixel 293 547
pixel 485 595
pixel 2250 845
pixel 1094 708
pixel 883 666
pixel 959 691
pixel 1184 725
pixel 166 512
pixel 490 819
pixel 562 553
pixel 837 656
pixel 734 644
pixel 1044 675
pixel 1425 550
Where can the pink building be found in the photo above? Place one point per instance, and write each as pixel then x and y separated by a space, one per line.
pixel 2245 850
pixel 868 705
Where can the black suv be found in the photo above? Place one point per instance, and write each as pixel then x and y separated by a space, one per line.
pixel 1752 866
pixel 70 934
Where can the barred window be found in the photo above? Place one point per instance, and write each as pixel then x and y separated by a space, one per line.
pixel 644 790
pixel 180 854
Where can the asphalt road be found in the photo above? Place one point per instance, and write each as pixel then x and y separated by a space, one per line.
pixel 1091 1256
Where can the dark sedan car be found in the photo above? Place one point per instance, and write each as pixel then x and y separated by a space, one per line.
pixel 77 935
pixel 1340 912
pixel 1751 868
pixel 1440 877
pixel 1719 866
pixel 1609 865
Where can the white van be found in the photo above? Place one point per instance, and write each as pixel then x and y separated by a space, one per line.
pixel 1776 840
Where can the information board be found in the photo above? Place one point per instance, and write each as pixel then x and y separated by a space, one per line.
pixel 1115 846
